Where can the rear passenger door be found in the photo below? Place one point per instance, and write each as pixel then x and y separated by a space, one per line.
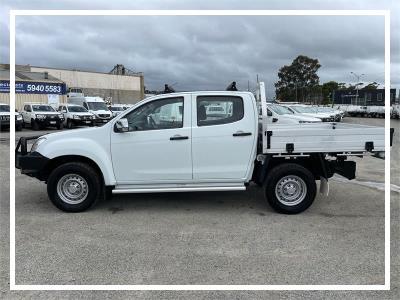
pixel 224 134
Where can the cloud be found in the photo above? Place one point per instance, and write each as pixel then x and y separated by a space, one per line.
pixel 207 52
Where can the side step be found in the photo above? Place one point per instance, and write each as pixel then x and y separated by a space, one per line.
pixel 179 189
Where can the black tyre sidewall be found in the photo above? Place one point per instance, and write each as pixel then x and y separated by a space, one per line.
pixel 69 124
pixel 84 170
pixel 284 170
pixel 35 125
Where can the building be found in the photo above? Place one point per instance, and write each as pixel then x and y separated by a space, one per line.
pixel 118 86
pixel 38 87
pixel 364 97
pixel 51 85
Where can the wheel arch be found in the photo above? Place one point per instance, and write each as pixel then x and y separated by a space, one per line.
pixel 59 160
pixel 315 163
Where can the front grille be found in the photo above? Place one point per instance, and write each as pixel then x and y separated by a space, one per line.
pixel 51 117
pixel 104 116
pixel 5 118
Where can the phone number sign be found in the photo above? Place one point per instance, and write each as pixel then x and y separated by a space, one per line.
pixel 28 87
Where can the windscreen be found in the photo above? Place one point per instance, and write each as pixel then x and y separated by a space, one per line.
pixel 77 109
pixel 4 108
pixel 97 106
pixel 280 110
pixel 42 108
pixel 303 109
pixel 117 108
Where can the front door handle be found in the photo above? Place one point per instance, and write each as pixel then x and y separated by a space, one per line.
pixel 241 133
pixel 178 137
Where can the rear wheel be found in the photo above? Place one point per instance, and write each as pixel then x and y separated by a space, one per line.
pixel 290 188
pixel 74 187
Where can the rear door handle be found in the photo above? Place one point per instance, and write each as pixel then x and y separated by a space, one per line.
pixel 178 137
pixel 241 133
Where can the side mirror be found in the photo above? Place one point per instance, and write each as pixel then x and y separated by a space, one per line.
pixel 274 120
pixel 269 113
pixel 121 125
pixel 16 110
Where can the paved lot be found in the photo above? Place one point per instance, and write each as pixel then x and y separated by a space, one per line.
pixel 204 238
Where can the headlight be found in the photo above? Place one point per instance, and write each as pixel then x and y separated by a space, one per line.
pixel 93 117
pixel 40 116
pixel 19 117
pixel 76 117
pixel 37 143
pixel 61 116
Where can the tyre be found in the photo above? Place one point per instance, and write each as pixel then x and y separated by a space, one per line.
pixel 35 125
pixel 69 124
pixel 290 188
pixel 60 126
pixel 18 127
pixel 74 187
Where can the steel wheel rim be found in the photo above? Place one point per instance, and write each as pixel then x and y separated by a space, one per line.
pixel 72 189
pixel 290 190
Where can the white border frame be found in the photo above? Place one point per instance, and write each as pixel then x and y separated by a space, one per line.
pixel 384 13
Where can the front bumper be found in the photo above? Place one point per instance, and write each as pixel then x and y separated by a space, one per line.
pixel 81 122
pixel 49 122
pixel 102 121
pixel 30 163
pixel 6 122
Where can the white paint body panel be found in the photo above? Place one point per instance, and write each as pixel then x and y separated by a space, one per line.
pixel 150 155
pixel 217 154
pixel 323 138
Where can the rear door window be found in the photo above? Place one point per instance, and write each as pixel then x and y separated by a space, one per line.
pixel 216 110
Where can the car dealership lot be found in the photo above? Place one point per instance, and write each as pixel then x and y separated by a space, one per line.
pixel 204 238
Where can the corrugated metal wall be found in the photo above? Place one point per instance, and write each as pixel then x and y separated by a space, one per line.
pixel 94 80
pixel 22 98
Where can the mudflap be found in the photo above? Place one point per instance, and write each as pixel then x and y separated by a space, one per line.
pixel 324 186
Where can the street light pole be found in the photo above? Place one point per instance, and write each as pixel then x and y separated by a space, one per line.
pixel 357 84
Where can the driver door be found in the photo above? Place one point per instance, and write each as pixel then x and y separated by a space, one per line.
pixel 157 147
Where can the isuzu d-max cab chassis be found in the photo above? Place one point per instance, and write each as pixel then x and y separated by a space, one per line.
pixel 145 149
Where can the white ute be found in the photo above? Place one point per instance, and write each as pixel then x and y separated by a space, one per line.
pixel 76 115
pixel 194 150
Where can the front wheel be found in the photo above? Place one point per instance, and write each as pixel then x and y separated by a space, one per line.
pixel 18 127
pixel 290 188
pixel 74 187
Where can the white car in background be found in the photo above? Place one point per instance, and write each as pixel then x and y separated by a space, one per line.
pixel 330 110
pixel 310 111
pixel 395 111
pixel 40 116
pixel 283 115
pixel 76 115
pixel 5 117
pixel 95 105
pixel 116 109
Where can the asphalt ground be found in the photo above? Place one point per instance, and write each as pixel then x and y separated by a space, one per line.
pixel 204 238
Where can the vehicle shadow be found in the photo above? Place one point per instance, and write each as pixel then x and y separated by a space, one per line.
pixel 251 199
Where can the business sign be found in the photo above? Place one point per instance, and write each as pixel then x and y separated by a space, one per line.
pixel 28 87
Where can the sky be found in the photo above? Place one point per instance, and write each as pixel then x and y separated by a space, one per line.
pixel 200 53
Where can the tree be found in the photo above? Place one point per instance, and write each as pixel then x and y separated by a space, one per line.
pixel 297 80
pixel 327 90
